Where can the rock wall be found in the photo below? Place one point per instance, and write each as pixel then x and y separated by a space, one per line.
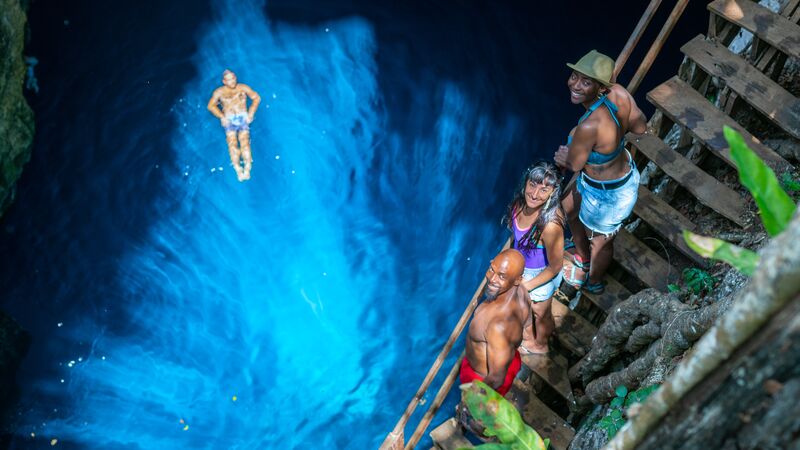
pixel 16 117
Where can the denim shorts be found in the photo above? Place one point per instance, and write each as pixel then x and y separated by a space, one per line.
pixel 602 211
pixel 545 291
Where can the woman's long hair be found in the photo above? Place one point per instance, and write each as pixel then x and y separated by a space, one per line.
pixel 541 173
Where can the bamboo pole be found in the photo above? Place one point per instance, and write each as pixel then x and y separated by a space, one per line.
pixel 396 434
pixel 644 21
pixel 647 62
pixel 437 402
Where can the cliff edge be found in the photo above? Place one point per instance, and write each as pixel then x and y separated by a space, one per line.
pixel 16 117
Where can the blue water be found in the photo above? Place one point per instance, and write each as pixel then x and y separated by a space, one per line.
pixel 158 288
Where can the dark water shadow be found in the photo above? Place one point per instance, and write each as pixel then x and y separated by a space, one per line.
pixel 96 182
pixel 510 59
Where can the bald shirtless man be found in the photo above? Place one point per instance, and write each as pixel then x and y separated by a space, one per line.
pixel 235 119
pixel 496 328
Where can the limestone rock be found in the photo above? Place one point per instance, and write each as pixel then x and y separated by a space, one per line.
pixel 16 117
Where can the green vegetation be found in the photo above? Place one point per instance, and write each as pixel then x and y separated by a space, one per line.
pixel 790 183
pixel 615 417
pixel 698 281
pixel 775 207
pixel 501 419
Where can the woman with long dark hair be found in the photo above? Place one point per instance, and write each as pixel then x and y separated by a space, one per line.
pixel 536 219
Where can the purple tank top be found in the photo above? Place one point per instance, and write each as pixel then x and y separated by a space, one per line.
pixel 535 258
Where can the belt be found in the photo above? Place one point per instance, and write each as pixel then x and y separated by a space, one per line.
pixel 607 186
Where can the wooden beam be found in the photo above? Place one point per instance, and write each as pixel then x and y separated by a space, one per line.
pixel 666 221
pixel 754 87
pixel 643 263
pixel 777 31
pixel 706 188
pixel 682 104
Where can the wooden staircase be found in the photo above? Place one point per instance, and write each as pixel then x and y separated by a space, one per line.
pixel 680 101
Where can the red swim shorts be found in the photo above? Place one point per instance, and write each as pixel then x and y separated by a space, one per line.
pixel 468 374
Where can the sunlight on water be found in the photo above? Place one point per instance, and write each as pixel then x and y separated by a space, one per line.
pixel 316 293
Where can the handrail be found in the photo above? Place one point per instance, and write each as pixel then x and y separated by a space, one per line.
pixel 394 440
pixel 647 62
pixel 437 402
pixel 389 442
pixel 396 434
pixel 644 21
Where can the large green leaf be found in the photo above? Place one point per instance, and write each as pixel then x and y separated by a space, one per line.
pixel 774 204
pixel 742 259
pixel 500 417
pixel 493 446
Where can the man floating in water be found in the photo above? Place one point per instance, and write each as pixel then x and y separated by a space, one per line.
pixel 236 119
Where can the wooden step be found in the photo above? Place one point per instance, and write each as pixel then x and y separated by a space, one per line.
pixel 449 436
pixel 775 30
pixel 552 368
pixel 667 222
pixel 573 331
pixel 752 85
pixel 706 188
pixel 643 263
pixel 685 106
pixel 613 294
pixel 541 418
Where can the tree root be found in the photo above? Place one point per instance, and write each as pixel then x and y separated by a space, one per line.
pixel 649 320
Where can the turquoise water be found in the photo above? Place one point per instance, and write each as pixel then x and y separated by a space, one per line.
pixel 158 288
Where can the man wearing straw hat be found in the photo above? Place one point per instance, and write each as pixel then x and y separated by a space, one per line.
pixel 606 188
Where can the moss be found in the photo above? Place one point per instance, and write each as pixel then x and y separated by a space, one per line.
pixel 16 117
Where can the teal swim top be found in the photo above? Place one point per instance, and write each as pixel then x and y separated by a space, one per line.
pixel 596 158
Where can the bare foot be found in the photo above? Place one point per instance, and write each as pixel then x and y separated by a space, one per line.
pixel 246 175
pixel 240 175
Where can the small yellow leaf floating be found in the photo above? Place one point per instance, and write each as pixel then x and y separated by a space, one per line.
pixel 53 441
pixel 233 398
pixel 185 427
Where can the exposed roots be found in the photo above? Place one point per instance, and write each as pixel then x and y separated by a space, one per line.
pixel 649 325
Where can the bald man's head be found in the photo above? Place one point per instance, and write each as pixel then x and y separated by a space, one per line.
pixel 505 272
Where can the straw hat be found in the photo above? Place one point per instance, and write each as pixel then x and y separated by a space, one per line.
pixel 595 65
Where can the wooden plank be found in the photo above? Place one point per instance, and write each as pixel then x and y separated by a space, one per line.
pixel 572 331
pixel 667 222
pixel 643 263
pixel 613 294
pixel 683 105
pixel 753 86
pixel 541 418
pixel 706 188
pixel 552 368
pixel 448 436
pixel 777 31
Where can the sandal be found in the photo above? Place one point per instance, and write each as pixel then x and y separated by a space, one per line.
pixel 576 273
pixel 594 288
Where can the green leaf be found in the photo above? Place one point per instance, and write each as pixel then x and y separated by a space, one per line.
pixel 621 391
pixel 499 417
pixel 605 421
pixel 616 402
pixel 673 287
pixel 789 183
pixel 743 260
pixel 494 446
pixel 774 204
pixel 616 414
